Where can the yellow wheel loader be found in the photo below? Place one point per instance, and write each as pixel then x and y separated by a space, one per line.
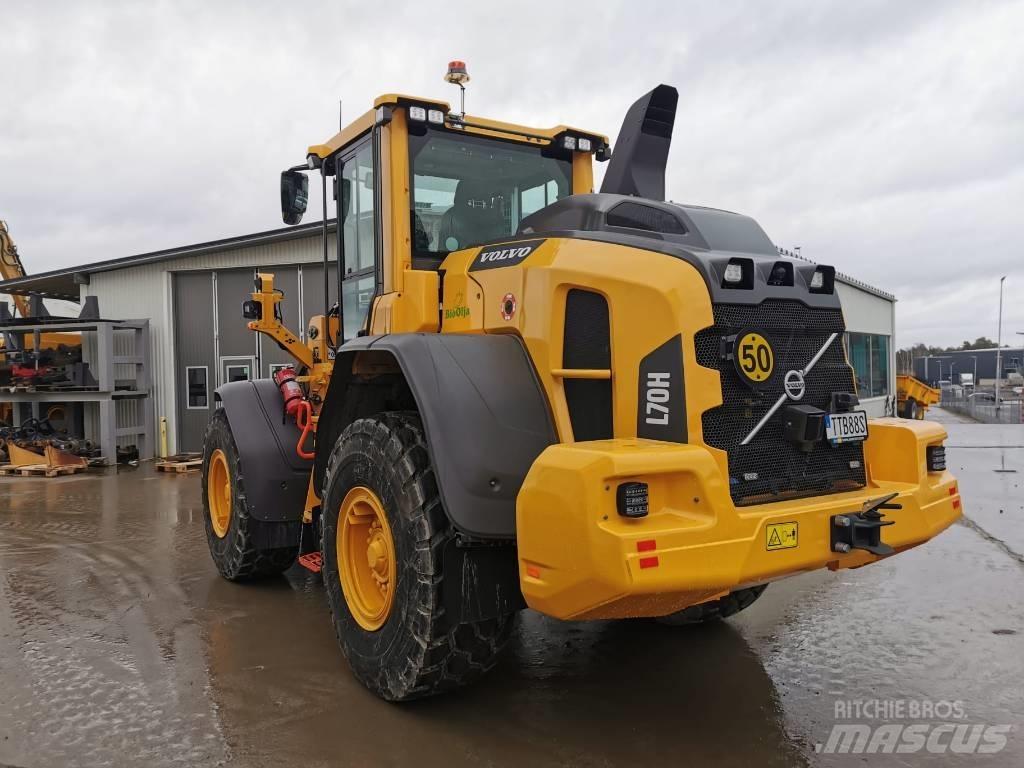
pixel 595 405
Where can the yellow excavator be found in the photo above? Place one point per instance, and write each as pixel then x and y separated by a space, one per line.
pixel 63 343
pixel 595 405
pixel 11 267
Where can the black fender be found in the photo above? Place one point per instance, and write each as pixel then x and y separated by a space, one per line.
pixel 276 478
pixel 485 417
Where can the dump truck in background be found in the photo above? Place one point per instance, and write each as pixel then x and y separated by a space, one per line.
pixel 914 397
pixel 597 406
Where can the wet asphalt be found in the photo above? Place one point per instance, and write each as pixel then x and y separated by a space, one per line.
pixel 120 645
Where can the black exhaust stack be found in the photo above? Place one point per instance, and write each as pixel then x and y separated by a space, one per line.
pixel 641 152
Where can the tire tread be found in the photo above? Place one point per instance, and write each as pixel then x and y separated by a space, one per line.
pixel 241 559
pixel 442 657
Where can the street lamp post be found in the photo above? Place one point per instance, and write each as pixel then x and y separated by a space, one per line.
pixel 999 341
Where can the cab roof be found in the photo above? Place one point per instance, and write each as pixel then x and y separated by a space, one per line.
pixel 470 123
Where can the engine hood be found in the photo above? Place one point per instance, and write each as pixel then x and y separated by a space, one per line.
pixel 708 238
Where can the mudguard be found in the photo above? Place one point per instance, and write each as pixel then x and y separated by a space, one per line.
pixel 484 415
pixel 276 478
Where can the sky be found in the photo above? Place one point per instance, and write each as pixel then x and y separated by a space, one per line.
pixel 886 139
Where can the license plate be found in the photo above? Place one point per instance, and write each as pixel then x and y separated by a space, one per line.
pixel 846 427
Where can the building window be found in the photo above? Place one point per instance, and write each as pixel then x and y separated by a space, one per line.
pixel 197 385
pixel 868 353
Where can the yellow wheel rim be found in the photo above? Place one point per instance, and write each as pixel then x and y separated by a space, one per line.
pixel 218 492
pixel 366 558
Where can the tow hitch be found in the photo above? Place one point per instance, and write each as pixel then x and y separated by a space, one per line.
pixel 863 530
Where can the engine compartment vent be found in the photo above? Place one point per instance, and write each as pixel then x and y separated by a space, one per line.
pixel 645 217
pixel 586 344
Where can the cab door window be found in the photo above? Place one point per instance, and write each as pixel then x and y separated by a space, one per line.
pixel 358 231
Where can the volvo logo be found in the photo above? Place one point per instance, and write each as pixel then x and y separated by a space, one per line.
pixel 794 385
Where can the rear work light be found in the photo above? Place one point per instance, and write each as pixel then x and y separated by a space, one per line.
pixel 584 145
pixel 417 113
pixel 823 280
pixel 632 500
pixel 936 455
pixel 733 273
pixel 737 272
pixel 569 142
pixel 435 116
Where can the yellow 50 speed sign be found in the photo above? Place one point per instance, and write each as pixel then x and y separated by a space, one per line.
pixel 754 357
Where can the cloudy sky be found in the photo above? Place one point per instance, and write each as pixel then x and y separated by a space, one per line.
pixel 886 138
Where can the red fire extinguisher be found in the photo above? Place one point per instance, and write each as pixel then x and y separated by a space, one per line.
pixel 297 406
pixel 290 390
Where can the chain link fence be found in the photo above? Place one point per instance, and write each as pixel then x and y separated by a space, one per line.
pixel 981 406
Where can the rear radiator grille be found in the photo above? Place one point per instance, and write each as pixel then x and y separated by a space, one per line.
pixel 586 343
pixel 795 333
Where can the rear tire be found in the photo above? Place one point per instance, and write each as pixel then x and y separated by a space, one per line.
pixel 234 540
pixel 714 610
pixel 910 409
pixel 413 651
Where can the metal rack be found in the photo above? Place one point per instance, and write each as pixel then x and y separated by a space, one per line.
pixel 101 340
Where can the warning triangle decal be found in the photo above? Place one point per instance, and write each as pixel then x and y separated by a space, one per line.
pixel 774 540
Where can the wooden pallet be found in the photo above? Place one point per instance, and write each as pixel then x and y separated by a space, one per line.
pixel 180 466
pixel 38 470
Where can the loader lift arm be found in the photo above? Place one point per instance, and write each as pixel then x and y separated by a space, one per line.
pixel 264 315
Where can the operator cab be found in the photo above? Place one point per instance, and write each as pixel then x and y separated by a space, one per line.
pixel 413 181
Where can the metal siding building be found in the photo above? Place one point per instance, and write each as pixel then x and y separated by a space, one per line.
pixel 193 296
pixel 195 304
pixel 947 366
pixel 870 318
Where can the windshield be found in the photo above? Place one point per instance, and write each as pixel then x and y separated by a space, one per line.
pixel 468 190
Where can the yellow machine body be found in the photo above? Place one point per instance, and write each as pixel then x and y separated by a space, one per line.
pixel 578 557
pixel 580 560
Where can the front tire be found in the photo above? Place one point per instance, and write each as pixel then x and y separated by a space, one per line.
pixel 385 594
pixel 714 610
pixel 232 533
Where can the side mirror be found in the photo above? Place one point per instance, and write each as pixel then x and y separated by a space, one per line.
pixel 294 196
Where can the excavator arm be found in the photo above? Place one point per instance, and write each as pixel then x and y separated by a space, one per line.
pixel 11 267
